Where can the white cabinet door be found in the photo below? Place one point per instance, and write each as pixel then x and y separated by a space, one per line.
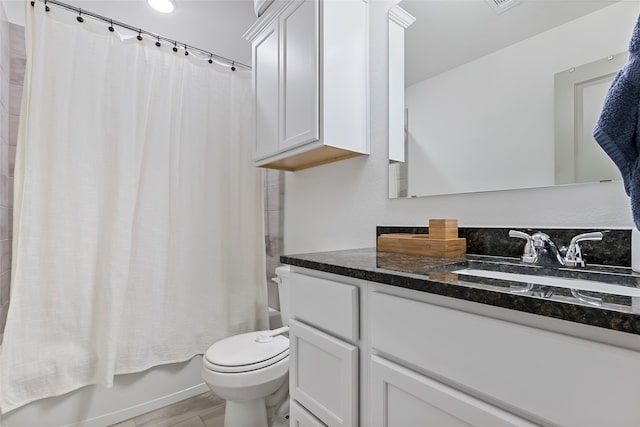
pixel 300 417
pixel 324 375
pixel 265 50
pixel 300 47
pixel 402 398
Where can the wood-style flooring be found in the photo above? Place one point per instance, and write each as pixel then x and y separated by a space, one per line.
pixel 204 410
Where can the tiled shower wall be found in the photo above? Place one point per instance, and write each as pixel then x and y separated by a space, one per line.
pixel 6 195
pixel 274 228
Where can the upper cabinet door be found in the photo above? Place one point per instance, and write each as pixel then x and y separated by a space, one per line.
pixel 300 70
pixel 266 56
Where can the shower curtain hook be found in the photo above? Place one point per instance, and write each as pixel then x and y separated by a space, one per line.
pixel 186 52
pixel 211 58
pixel 158 42
pixel 233 63
pixel 175 46
pixel 33 3
pixel 139 37
pixel 80 18
pixel 46 8
pixel 111 26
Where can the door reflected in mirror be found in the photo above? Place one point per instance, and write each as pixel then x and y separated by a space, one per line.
pixel 502 99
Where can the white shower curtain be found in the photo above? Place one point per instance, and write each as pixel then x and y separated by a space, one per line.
pixel 138 230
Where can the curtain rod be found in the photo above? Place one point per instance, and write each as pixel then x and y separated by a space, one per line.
pixel 157 37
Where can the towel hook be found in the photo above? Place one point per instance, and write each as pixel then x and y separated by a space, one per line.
pixel 80 18
pixel 111 26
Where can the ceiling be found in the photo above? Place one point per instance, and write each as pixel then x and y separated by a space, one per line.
pixel 449 33
pixel 213 25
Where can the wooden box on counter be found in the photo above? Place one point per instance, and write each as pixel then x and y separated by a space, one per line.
pixel 442 241
pixel 422 244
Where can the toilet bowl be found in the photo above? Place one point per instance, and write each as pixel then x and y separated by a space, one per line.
pixel 251 371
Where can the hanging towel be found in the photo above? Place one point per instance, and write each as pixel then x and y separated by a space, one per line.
pixel 618 128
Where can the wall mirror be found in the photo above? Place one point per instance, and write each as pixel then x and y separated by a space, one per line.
pixel 489 95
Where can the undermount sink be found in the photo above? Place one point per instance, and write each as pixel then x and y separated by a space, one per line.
pixel 559 282
pixel 596 286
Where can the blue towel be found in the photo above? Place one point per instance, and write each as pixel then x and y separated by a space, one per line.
pixel 618 128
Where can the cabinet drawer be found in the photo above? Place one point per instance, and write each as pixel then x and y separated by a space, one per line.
pixel 300 417
pixel 401 398
pixel 324 375
pixel 544 376
pixel 327 305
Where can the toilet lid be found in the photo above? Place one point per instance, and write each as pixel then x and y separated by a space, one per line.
pixel 243 349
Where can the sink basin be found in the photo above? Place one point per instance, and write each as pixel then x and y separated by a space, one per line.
pixel 559 282
pixel 595 286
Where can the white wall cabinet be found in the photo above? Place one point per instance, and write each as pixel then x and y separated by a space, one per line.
pixel 310 83
pixel 424 361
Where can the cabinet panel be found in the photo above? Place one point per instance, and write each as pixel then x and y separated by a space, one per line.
pixel 300 417
pixel 548 377
pixel 401 398
pixel 324 375
pixel 265 87
pixel 300 74
pixel 327 305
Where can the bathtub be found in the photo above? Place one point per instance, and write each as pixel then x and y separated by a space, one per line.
pixel 130 396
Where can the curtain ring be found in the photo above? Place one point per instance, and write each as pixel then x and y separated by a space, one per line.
pixel 186 52
pixel 111 26
pixel 80 18
pixel 46 7
pixel 33 3
pixel 158 42
pixel 233 63
pixel 175 47
pixel 139 36
pixel 211 59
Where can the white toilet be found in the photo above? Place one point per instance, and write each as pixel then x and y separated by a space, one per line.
pixel 251 371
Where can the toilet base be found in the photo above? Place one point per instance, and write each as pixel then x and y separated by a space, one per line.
pixel 245 413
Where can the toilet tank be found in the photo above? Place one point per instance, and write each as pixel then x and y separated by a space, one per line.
pixel 284 278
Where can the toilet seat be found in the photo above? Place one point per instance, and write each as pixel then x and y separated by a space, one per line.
pixel 242 353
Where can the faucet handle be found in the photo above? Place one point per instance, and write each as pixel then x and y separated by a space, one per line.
pixel 574 253
pixel 596 235
pixel 529 255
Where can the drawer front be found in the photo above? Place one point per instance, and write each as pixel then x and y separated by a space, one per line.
pixel 401 398
pixel 324 375
pixel 544 376
pixel 327 305
pixel 300 417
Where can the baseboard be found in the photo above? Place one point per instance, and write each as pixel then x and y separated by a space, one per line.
pixel 134 411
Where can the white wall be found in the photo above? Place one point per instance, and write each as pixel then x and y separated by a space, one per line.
pixel 337 206
pixel 500 108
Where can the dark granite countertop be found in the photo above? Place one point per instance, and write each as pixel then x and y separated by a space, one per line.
pixel 616 309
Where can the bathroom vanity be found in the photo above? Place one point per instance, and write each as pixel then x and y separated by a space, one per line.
pixel 382 339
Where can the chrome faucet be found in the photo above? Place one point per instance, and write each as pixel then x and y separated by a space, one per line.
pixel 540 249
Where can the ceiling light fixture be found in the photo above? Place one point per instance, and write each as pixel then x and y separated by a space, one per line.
pixel 164 6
